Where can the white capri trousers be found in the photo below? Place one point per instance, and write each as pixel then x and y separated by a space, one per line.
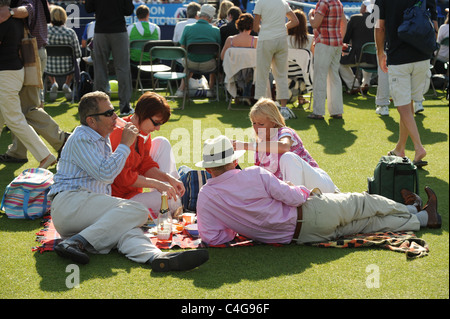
pixel 272 53
pixel 299 172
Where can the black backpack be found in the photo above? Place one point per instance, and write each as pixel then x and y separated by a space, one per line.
pixel 86 84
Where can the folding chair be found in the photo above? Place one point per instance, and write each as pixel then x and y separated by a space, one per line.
pixel 303 59
pixel 67 52
pixel 206 48
pixel 150 66
pixel 433 63
pixel 236 61
pixel 170 54
pixel 367 48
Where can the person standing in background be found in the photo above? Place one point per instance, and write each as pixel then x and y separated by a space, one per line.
pixel 329 24
pixel 409 70
pixel 36 13
pixel 111 37
pixel 272 50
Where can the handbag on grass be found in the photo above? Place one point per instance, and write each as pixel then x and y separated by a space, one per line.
pixel 31 60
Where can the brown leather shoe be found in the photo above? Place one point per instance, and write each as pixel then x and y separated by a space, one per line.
pixel 411 198
pixel 434 219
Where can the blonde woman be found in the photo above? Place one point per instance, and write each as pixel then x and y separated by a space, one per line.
pixel 280 150
pixel 223 13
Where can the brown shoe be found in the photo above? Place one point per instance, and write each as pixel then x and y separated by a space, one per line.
pixel 434 219
pixel 411 198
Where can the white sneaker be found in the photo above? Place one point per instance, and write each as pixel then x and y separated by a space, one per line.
pixel 179 93
pixel 418 107
pixel 382 110
pixel 67 91
pixel 54 92
pixel 285 113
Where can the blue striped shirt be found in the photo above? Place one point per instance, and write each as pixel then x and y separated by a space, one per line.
pixel 87 162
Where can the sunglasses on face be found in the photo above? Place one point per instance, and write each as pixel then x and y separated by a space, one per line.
pixel 108 113
pixel 156 123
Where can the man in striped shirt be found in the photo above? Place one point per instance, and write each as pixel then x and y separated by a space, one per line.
pixel 83 210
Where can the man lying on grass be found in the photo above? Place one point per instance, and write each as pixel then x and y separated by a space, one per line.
pixel 256 204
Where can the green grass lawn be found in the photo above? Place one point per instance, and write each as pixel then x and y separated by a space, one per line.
pixel 347 149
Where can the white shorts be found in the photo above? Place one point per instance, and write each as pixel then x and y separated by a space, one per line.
pixel 409 81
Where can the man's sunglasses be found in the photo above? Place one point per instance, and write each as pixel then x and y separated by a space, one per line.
pixel 108 113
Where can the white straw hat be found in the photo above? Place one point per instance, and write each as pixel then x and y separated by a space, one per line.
pixel 218 152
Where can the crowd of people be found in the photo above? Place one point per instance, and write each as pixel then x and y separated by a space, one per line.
pixel 99 197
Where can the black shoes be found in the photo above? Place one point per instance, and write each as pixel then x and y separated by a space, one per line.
pixel 179 261
pixel 74 250
pixel 5 158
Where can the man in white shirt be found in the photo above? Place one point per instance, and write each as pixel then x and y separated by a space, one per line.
pixel 191 13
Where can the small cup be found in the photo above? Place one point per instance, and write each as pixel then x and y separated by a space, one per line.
pixel 188 218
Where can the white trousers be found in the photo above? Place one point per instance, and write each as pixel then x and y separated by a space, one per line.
pixel 106 222
pixel 299 172
pixel 327 84
pixel 161 152
pixel 11 114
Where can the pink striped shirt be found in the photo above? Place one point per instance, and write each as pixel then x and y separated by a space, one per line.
pixel 251 202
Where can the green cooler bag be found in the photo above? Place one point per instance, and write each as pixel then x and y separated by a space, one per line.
pixel 391 175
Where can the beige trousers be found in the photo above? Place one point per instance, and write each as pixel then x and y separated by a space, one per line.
pixel 11 114
pixel 330 216
pixel 272 53
pixel 327 86
pixel 106 222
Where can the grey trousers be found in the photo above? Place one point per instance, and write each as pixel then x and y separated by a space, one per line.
pixel 106 222
pixel 118 45
pixel 330 216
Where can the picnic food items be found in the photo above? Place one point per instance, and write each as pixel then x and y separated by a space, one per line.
pixel 164 222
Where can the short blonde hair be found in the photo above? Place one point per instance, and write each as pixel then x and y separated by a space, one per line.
pixel 267 108
pixel 58 15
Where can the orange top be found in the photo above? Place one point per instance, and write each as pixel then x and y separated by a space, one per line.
pixel 138 162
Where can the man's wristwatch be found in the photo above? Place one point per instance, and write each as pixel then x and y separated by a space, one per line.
pixel 11 12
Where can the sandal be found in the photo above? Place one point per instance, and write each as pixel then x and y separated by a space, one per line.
pixel 315 116
pixel 420 163
pixel 337 116
pixel 392 153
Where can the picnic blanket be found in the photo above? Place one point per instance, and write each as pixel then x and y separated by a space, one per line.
pixel 405 242
pixel 48 237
